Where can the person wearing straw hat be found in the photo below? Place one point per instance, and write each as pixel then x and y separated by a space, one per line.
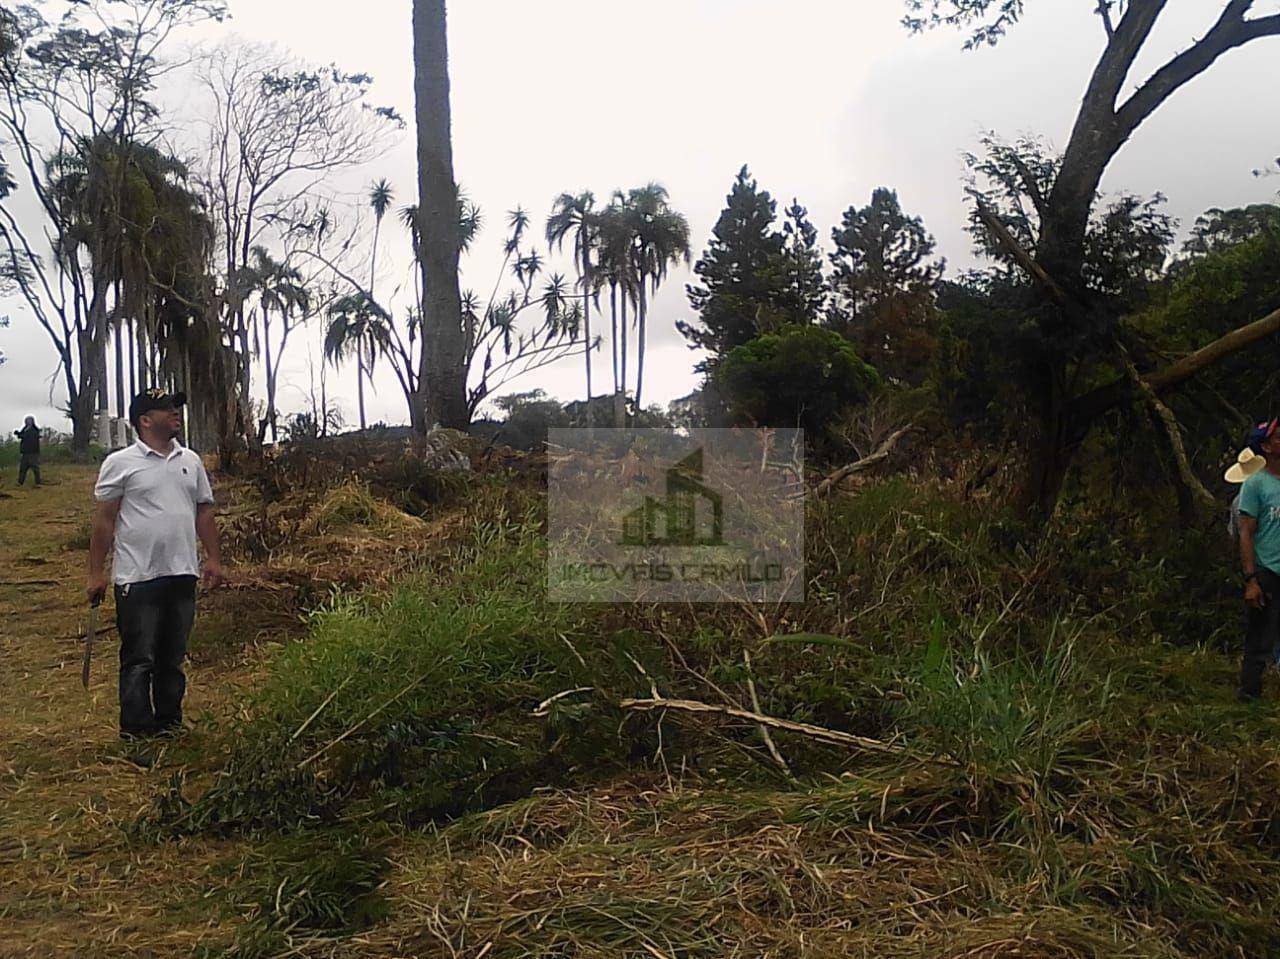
pixel 1247 463
pixel 1260 558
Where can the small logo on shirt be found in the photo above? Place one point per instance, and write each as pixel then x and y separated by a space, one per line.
pixel 184 470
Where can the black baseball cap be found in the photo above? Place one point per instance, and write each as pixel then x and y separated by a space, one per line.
pixel 154 399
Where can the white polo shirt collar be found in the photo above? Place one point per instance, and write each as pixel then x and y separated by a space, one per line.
pixel 145 450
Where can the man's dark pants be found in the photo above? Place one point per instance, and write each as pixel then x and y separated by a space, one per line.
pixel 28 461
pixel 154 619
pixel 1261 635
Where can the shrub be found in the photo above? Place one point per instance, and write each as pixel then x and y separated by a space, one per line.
pixel 802 376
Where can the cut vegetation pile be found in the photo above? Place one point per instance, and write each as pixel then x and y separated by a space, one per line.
pixel 957 746
pixel 315 518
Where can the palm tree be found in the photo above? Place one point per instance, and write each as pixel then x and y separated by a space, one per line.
pixel 380 196
pixel 619 267
pixel 128 210
pixel 280 289
pixel 576 215
pixel 356 325
pixel 661 241
pixel 639 237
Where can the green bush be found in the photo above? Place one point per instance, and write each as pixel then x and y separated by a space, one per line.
pixel 802 376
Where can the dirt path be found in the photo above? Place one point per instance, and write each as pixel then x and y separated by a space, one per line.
pixel 70 881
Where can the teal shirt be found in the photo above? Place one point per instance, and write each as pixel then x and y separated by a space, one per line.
pixel 1260 498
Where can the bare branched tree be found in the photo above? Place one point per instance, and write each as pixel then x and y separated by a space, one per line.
pixel 279 128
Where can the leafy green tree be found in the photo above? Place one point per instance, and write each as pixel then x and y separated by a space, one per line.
pixel 1126 243
pixel 1219 229
pixel 1237 274
pixel 804 284
pixel 528 417
pixel 883 286
pixel 993 337
pixel 799 376
pixel 1071 315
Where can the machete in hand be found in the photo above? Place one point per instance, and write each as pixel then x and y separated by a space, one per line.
pixel 90 633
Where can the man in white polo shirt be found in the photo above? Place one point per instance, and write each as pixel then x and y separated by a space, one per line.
pixel 154 500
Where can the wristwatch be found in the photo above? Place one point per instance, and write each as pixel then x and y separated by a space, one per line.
pixel 1249 576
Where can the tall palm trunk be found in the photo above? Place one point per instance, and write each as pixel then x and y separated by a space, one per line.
pixel 620 399
pixel 104 383
pixel 373 259
pixel 586 323
pixel 373 272
pixel 360 380
pixel 613 347
pixel 641 314
pixel 141 344
pixel 246 399
pixel 442 378
pixel 118 324
pixel 271 377
pixel 133 382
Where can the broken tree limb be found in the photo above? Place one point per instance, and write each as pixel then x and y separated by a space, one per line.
pixel 1096 402
pixel 1023 258
pixel 879 456
pixel 1170 423
pixel 545 706
pixel 832 737
pixel 764 730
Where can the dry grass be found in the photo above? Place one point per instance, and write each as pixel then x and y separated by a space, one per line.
pixel 71 883
pixel 643 869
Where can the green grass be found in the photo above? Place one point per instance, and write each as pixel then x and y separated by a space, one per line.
pixel 49 453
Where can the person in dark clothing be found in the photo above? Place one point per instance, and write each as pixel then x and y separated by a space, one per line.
pixel 28 450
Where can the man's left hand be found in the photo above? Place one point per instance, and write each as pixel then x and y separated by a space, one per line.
pixel 212 578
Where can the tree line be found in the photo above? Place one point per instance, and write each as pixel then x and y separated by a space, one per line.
pixel 196 267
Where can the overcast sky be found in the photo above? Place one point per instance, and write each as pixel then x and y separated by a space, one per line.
pixel 824 99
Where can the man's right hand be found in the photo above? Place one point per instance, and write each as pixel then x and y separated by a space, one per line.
pixel 97 588
pixel 1253 594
